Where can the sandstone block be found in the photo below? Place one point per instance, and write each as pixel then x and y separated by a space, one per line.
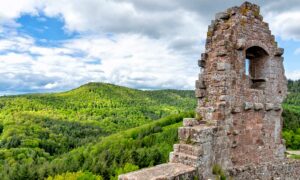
pixel 222 15
pixel 204 56
pixel 188 149
pixel 240 44
pixel 234 144
pixel 201 63
pixel 200 84
pixel 236 110
pixel 269 106
pixel 193 161
pixel 224 98
pixel 277 107
pixel 210 109
pixel 279 52
pixel 163 171
pixel 197 134
pixel 236 132
pixel 200 93
pixel 258 106
pixel 190 122
pixel 248 105
pixel 221 105
pixel 221 53
pixel 223 66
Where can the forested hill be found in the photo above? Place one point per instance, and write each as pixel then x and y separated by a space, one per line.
pixel 294 86
pixel 113 106
pixel 36 128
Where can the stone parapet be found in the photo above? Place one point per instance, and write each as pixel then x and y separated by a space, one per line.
pixel 169 171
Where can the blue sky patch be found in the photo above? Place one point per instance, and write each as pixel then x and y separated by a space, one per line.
pixel 45 30
pixel 291 62
pixel 94 61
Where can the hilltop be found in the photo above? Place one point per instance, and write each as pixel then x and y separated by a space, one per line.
pixel 89 101
pixel 35 128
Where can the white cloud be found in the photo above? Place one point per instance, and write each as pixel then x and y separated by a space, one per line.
pixel 13 8
pixel 148 17
pixel 151 43
pixel 294 75
pixel 130 60
pixel 286 24
pixel 15 43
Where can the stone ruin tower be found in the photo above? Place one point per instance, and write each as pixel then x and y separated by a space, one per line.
pixel 239 91
pixel 238 120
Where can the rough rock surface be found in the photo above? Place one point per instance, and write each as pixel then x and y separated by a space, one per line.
pixel 240 90
pixel 284 170
pixel 168 171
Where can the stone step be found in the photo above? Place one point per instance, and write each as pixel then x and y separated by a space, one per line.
pixel 169 171
pixel 197 134
pixel 188 149
pixel 189 122
pixel 186 159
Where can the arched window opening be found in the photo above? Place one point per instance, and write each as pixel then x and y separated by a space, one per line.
pixel 256 58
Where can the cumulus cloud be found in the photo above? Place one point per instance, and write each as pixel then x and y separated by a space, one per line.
pixel 129 60
pixel 147 44
pixel 167 20
pixel 286 24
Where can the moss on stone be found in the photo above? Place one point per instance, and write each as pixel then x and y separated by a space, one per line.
pixel 244 10
pixel 256 13
pixel 199 117
pixel 218 171
pixel 188 140
pixel 209 33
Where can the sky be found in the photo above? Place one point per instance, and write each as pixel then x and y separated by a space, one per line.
pixel 57 45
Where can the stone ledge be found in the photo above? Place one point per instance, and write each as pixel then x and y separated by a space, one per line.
pixel 189 160
pixel 288 169
pixel 188 149
pixel 189 122
pixel 167 171
pixel 197 134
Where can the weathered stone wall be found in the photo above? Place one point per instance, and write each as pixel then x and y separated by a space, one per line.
pixel 238 118
pixel 284 170
pixel 246 106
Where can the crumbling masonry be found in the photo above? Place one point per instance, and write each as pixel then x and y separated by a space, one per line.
pixel 240 90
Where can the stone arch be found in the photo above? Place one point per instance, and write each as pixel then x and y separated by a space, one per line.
pixel 255 42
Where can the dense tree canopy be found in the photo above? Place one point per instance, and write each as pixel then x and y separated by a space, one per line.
pixel 38 129
pixel 291 116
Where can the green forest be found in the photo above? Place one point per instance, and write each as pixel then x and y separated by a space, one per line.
pixel 291 116
pixel 99 130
